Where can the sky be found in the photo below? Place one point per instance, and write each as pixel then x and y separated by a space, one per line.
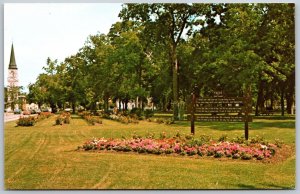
pixel 39 31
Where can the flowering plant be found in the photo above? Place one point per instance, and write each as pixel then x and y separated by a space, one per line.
pixel 182 147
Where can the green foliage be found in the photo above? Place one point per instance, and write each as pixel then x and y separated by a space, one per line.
pixel 26 121
pixel 63 118
pixel 148 113
pixel 163 50
pixel 223 138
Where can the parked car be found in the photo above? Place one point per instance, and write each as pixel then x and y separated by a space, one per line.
pixel 17 111
pixel 68 109
pixel 26 112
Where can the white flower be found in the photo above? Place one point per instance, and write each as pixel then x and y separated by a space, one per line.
pixel 264 147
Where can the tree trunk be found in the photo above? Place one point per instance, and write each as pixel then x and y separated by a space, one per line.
pixel 282 101
pixel 137 102
pixel 73 107
pixel 105 104
pixel 120 104
pixel 126 104
pixel 290 94
pixel 272 102
pixel 53 107
pixel 289 103
pixel 259 101
pixel 175 81
pixel 142 105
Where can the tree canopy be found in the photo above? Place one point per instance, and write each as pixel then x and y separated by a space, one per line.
pixel 163 50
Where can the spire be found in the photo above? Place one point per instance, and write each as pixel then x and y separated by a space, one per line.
pixel 12 62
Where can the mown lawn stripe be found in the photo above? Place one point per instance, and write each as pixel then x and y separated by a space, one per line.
pixel 45 157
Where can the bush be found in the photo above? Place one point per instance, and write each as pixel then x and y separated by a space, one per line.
pixel 92 119
pixel 246 156
pixel 169 121
pixel 63 118
pixel 45 114
pixel 258 139
pixel 26 121
pixel 59 120
pixel 279 143
pixel 148 113
pixel 223 138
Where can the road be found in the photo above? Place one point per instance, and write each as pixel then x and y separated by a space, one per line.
pixel 12 117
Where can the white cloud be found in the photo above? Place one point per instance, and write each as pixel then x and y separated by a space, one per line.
pixel 57 31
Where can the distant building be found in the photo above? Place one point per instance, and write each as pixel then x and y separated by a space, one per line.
pixel 13 100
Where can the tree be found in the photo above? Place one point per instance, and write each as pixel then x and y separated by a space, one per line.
pixel 167 22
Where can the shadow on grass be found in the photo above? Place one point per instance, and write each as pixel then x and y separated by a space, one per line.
pixel 275 117
pixel 75 117
pixel 268 186
pixel 228 126
pixel 280 187
pixel 243 186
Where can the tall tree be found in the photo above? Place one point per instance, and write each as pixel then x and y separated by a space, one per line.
pixel 167 23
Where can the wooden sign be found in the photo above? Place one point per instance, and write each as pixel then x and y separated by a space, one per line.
pixel 221 109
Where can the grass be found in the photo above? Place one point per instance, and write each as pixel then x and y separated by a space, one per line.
pixel 45 157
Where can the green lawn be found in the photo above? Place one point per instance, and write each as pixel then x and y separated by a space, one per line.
pixel 45 157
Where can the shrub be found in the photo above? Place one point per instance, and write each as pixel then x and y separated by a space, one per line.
pixel 240 140
pixel 26 121
pixel 236 156
pixel 162 135
pixel 67 120
pixel 169 121
pixel 59 120
pixel 223 138
pixel 45 114
pixel 246 156
pixel 63 118
pixel 148 113
pixel 278 143
pixel 158 120
pixel 92 119
pixel 136 111
pixel 219 154
pixel 205 138
pixel 258 139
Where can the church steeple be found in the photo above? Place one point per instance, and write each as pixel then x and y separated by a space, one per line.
pixel 12 62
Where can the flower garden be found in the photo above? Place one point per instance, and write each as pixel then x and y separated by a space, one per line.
pixel 256 148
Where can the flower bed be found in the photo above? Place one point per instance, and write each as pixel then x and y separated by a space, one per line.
pixel 31 120
pixel 26 121
pixel 123 118
pixel 161 120
pixel 90 118
pixel 192 147
pixel 63 118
